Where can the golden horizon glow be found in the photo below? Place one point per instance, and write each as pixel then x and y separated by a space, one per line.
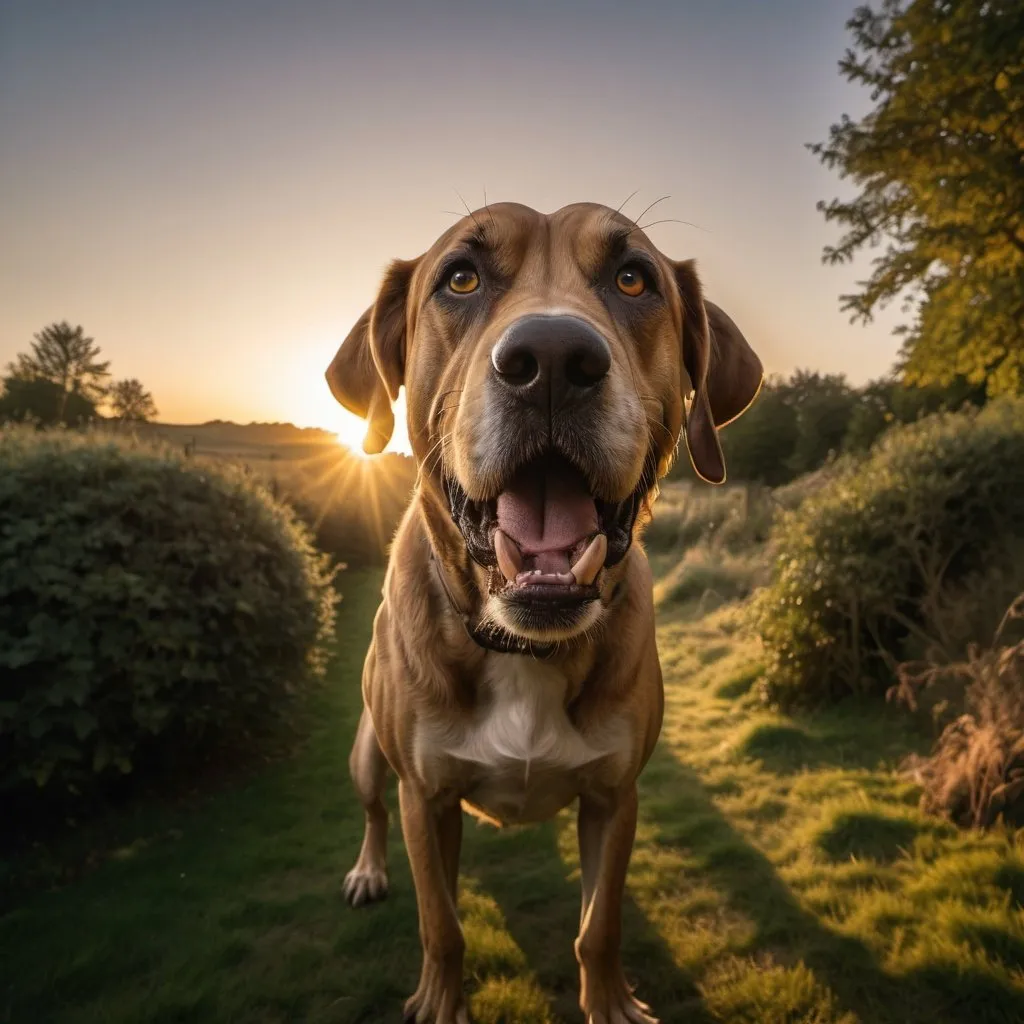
pixel 230 212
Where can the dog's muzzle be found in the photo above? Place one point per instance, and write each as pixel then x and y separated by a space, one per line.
pixel 547 533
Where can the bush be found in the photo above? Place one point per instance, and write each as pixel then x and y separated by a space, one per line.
pixel 759 444
pixel 975 774
pixel 708 542
pixel 795 426
pixel 149 606
pixel 864 564
pixel 882 403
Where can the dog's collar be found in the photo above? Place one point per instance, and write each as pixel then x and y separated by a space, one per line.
pixel 491 638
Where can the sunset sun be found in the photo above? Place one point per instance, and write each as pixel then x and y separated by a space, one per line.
pixel 351 430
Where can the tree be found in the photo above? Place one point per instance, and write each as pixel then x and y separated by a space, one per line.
pixel 883 403
pixel 129 400
pixel 38 399
pixel 63 355
pixel 824 404
pixel 758 444
pixel 871 416
pixel 939 164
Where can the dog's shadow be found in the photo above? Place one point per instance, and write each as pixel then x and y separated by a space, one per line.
pixel 848 968
pixel 537 891
pixel 534 885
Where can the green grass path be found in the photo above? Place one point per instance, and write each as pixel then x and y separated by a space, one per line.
pixel 782 874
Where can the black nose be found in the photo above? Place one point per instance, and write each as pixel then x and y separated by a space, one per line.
pixel 548 360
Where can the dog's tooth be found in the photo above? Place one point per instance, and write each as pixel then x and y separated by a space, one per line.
pixel 510 560
pixel 590 563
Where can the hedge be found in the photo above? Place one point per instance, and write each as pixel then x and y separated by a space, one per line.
pixel 869 567
pixel 150 607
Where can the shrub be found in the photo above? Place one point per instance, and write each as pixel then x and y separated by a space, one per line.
pixel 800 423
pixel 149 606
pixel 792 495
pixel 976 771
pixel 864 563
pixel 882 403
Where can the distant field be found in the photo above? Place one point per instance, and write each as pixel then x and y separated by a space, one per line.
pixel 256 442
pixel 352 503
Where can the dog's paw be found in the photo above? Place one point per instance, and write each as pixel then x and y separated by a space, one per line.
pixel 610 1000
pixel 626 1010
pixel 416 1014
pixel 633 1012
pixel 439 998
pixel 365 883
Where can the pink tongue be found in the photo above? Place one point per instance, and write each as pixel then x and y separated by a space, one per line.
pixel 547 510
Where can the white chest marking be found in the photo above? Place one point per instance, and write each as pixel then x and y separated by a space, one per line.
pixel 528 758
pixel 522 719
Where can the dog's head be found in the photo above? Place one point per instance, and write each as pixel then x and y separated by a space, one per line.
pixel 550 363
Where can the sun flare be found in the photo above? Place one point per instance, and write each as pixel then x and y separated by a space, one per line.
pixel 311 403
pixel 351 430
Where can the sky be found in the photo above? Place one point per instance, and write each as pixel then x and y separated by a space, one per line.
pixel 214 190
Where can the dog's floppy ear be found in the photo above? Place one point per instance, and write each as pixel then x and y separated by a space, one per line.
pixel 725 374
pixel 369 368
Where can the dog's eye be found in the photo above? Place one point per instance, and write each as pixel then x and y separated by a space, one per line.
pixel 630 281
pixel 464 281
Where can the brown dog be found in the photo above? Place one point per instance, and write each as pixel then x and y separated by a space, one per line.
pixel 513 667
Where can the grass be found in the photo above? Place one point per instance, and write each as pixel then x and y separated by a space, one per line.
pixel 782 873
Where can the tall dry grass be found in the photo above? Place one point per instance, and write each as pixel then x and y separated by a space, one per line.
pixel 707 544
pixel 975 774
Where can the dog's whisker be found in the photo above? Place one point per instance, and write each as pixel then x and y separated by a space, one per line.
pixel 451 406
pixel 673 220
pixel 648 209
pixel 618 209
pixel 436 452
pixel 470 212
pixel 439 401
pixel 432 450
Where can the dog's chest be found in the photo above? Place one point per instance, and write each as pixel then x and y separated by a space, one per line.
pixel 518 757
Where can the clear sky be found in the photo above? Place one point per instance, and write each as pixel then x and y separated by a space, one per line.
pixel 213 189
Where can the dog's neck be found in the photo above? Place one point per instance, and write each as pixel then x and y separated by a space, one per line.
pixel 441 533
pixel 490 637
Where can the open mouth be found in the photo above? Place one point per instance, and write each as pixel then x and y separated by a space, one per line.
pixel 546 537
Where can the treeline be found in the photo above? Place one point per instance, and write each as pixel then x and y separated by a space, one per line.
pixel 61 379
pixel 801 422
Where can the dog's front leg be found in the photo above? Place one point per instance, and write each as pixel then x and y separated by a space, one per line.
pixel 605 834
pixel 433 837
